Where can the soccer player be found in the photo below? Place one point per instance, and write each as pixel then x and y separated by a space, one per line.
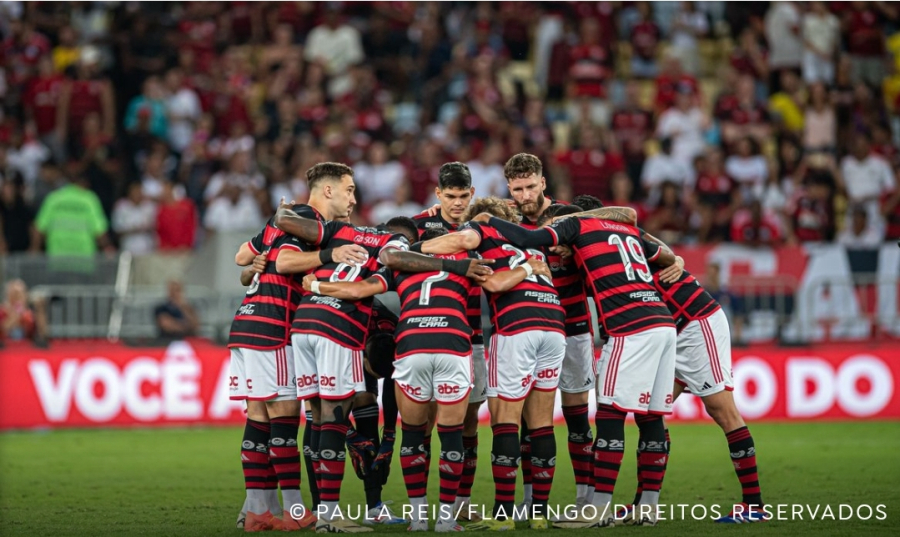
pixel 328 334
pixel 526 351
pixel 636 368
pixel 455 191
pixel 703 365
pixel 261 372
pixel 433 362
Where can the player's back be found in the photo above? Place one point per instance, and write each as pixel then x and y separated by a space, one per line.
pixel 344 321
pixel 617 268
pixel 433 317
pixel 263 319
pixel 686 299
pixel 533 303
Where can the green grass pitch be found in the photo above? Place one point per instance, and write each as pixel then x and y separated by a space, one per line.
pixel 188 481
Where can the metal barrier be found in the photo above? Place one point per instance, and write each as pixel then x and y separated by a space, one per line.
pixel 38 269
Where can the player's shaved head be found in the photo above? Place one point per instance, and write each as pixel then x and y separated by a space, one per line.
pixel 587 202
pixel 491 205
pixel 405 226
pixel 557 209
pixel 433 233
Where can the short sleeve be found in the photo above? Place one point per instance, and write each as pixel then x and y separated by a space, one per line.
pixel 474 226
pixel 288 242
pixel 651 249
pixel 328 229
pixel 386 276
pixel 256 243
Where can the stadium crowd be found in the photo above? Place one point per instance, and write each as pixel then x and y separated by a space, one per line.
pixel 760 123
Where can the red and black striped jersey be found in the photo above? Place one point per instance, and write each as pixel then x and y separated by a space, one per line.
pixel 616 260
pixel 532 304
pixel 473 301
pixel 264 318
pixel 343 321
pixel 432 310
pixel 686 299
pixel 568 279
pixel 569 283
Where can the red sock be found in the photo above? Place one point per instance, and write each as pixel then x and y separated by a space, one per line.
pixel 413 459
pixel 580 443
pixel 543 463
pixel 609 449
pixel 255 455
pixel 504 453
pixel 332 459
pixel 285 456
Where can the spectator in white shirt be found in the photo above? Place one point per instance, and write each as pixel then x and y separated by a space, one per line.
pixel 664 167
pixel 401 205
pixel 749 169
pixel 337 47
pixel 487 171
pixel 239 173
pixel 685 124
pixel 233 211
pixel 859 235
pixel 785 45
pixel 821 36
pixel 183 109
pixel 379 178
pixel 134 221
pixel 688 25
pixel 154 176
pixel 866 178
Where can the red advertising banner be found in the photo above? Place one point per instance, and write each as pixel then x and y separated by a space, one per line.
pixel 89 384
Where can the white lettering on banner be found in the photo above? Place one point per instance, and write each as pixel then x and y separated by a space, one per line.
pixel 829 386
pixel 181 386
pixel 221 406
pixel 881 385
pixel 141 370
pixel 799 372
pixel 55 397
pixel 96 407
pixel 756 370
pixel 100 389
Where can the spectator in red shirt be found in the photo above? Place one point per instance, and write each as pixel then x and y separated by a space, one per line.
pixel 645 35
pixel 176 221
pixel 811 213
pixel 40 102
pixel 752 226
pixel 20 52
pixel 589 168
pixel 745 116
pixel 88 92
pixel 673 80
pixel 715 197
pixel 590 65
pixel 864 26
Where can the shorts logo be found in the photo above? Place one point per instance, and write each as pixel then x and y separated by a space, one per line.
pixel 527 380
pixel 307 380
pixel 326 382
pixel 249 384
pixel 411 390
pixel 548 373
pixel 669 400
pixel 446 389
pixel 232 382
pixel 644 399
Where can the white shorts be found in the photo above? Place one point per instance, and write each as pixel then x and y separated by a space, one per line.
pixel 445 378
pixel 262 375
pixel 703 356
pixel 522 361
pixel 479 375
pixel 636 373
pixel 577 374
pixel 326 369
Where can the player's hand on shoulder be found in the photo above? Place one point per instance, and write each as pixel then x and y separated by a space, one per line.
pixel 539 268
pixel 479 269
pixel 351 254
pixel 562 250
pixel 672 273
pixel 308 280
pixel 433 210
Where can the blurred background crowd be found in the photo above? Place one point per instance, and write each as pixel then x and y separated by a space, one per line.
pixel 147 126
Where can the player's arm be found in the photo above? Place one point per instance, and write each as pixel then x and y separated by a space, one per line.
pixel 346 290
pixel 625 215
pixel 258 266
pixel 673 272
pixel 398 260
pixel 306 229
pixel 658 254
pixel 245 255
pixel 524 238
pixel 459 241
pixel 293 261
pixel 500 282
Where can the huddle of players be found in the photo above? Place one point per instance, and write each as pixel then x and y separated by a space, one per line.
pixel 541 341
